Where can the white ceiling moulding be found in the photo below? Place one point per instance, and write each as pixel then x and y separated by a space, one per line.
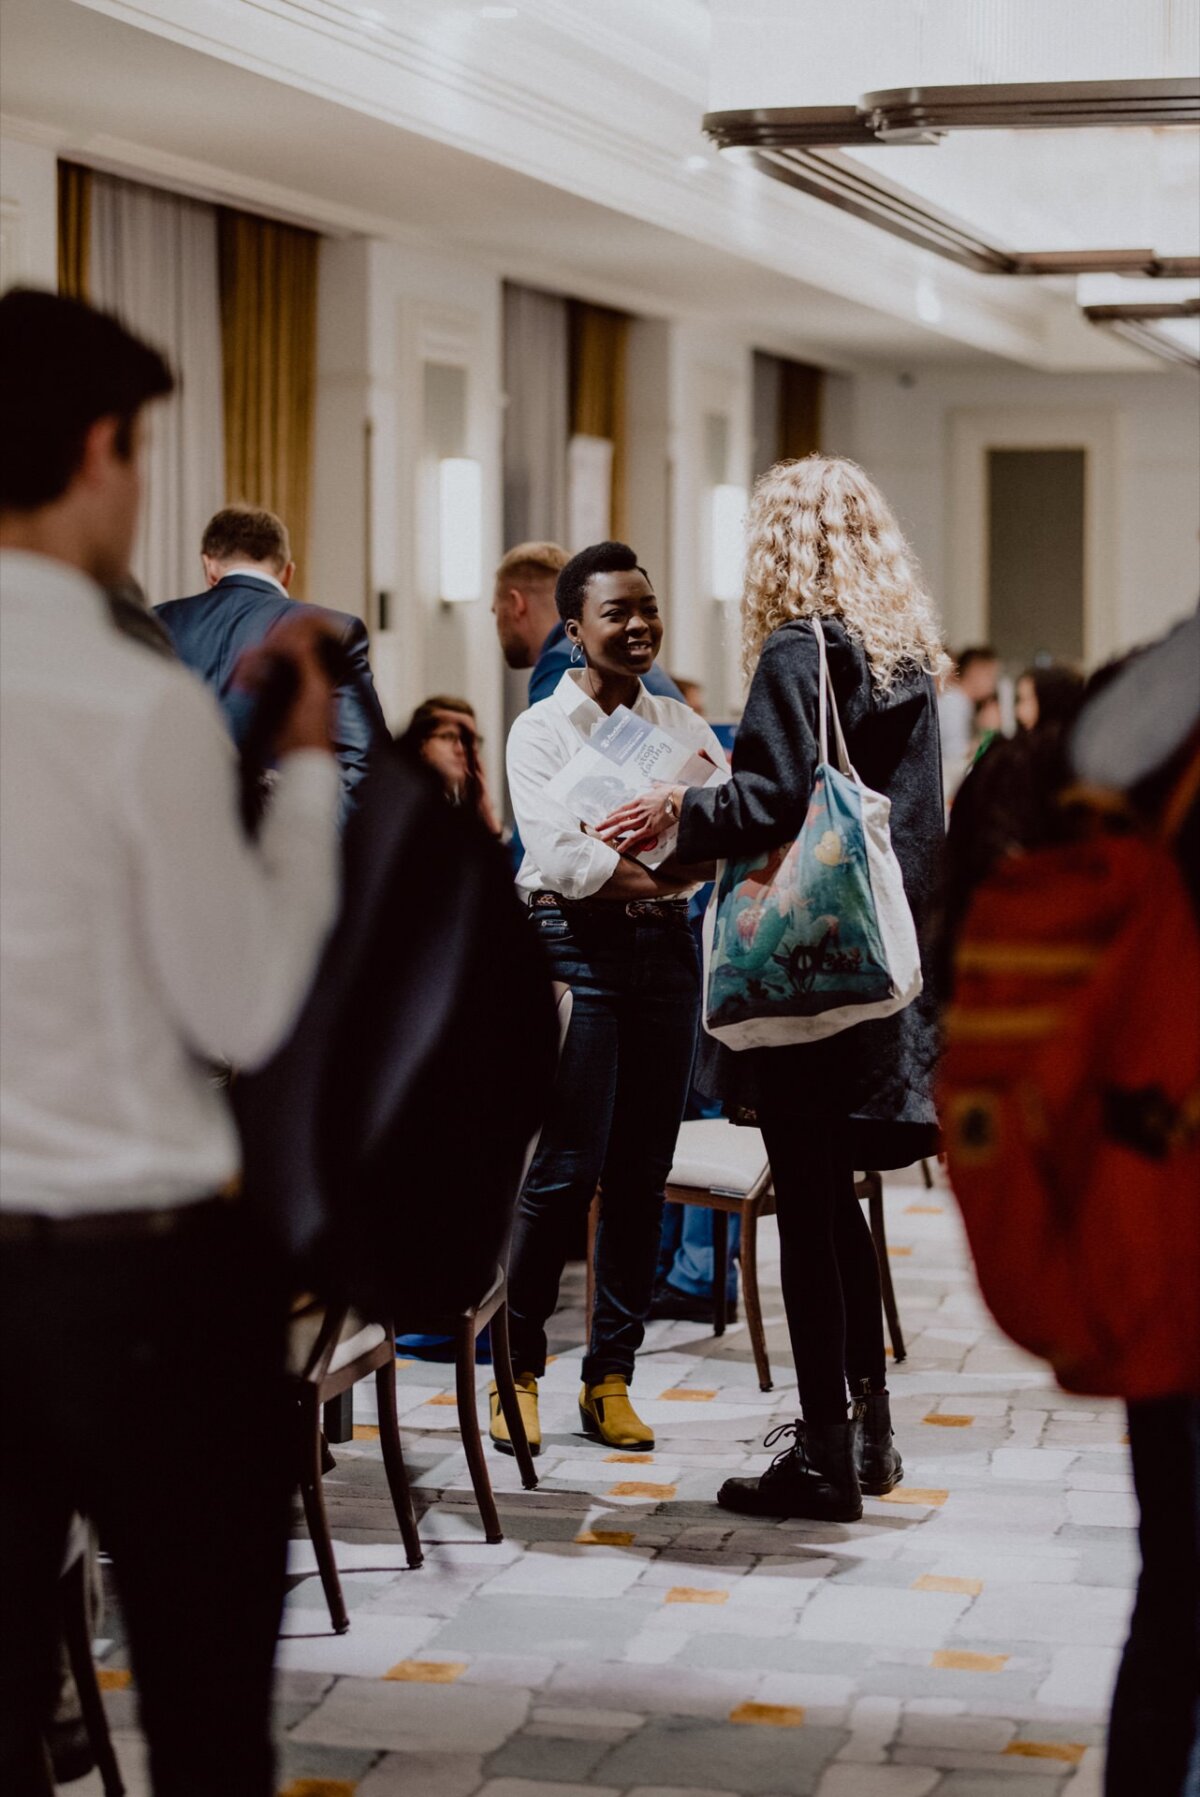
pixel 1072 124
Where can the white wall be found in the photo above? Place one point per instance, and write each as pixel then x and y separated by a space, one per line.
pixel 384 311
pixel 904 430
pixel 28 214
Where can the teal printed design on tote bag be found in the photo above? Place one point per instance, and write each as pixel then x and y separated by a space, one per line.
pixel 796 928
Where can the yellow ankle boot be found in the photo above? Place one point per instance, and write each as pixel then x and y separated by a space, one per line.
pixel 607 1415
pixel 527 1403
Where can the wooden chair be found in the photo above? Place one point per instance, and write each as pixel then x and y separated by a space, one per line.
pixel 76 1620
pixel 330 1350
pixel 464 1327
pixel 724 1167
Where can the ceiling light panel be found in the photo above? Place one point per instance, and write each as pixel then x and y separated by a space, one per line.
pixel 810 53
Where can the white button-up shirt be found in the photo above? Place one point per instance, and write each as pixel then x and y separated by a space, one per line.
pixel 558 856
pixel 139 931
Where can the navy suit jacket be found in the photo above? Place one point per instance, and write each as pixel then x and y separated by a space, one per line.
pixel 555 658
pixel 211 630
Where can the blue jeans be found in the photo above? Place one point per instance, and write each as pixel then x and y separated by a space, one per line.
pixel 614 1116
pixel 685 1251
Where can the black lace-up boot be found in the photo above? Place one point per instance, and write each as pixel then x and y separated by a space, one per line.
pixel 880 1468
pixel 815 1477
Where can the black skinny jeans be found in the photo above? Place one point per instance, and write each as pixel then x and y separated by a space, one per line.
pixel 621 1088
pixel 827 1259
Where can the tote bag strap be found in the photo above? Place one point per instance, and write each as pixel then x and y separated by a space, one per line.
pixel 826 704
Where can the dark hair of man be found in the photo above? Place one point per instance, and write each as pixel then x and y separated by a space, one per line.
pixel 64 366
pixel 248 532
pixel 602 558
pixel 980 652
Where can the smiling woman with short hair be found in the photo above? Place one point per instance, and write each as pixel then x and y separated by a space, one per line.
pixel 617 933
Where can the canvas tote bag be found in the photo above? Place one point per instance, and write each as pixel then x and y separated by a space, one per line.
pixel 806 939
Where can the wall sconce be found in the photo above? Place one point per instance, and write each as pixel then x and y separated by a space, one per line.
pixel 460 529
pixel 727 553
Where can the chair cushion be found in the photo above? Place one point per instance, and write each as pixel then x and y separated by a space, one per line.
pixel 717 1156
pixel 356 1338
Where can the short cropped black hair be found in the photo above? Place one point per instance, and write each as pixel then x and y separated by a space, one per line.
pixel 63 365
pixel 977 652
pixel 602 558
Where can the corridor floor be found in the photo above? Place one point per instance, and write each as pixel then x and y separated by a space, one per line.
pixel 630 1639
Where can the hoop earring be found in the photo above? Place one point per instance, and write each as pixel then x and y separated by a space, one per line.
pixel 576 655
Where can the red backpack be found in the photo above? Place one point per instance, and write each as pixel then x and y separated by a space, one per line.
pixel 1070 1097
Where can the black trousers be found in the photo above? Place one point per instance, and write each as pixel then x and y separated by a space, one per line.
pixel 828 1267
pixel 620 1092
pixel 1155 1729
pixel 141 1382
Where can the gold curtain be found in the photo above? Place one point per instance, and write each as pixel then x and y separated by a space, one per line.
pixel 598 342
pixel 74 229
pixel 268 274
pixel 799 410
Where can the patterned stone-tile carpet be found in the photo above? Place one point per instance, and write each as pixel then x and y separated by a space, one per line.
pixel 630 1639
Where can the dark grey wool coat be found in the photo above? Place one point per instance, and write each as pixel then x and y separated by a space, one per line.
pixel 873 1081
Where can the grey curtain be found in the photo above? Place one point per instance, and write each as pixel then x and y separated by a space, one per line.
pixel 536 416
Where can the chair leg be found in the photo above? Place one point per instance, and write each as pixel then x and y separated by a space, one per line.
pixel 590 1300
pixel 927 1175
pixel 77 1634
pixel 720 1229
pixel 468 1422
pixel 393 1460
pixel 507 1392
pixel 751 1299
pixel 314 1515
pixel 879 1235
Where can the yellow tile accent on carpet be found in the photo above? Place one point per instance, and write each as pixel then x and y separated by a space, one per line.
pixel 426 1672
pixel 114 1678
pixel 923 1210
pixel 638 1488
pixel 693 1594
pixel 956 1659
pixel 1069 1752
pixel 769 1715
pixel 940 1419
pixel 936 1581
pixel 890 1353
pixel 606 1538
pixel 443 1397
pixel 400 1362
pixel 899 1253
pixel 913 1494
pixel 629 1459
pixel 685 1394
pixel 320 1787
pixel 366 1432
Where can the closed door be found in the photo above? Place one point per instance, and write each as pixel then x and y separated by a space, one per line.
pixel 1035 558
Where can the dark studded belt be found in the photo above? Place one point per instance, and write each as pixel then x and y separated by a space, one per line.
pixel 664 910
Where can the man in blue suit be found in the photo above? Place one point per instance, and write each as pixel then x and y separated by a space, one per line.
pixel 532 635
pixel 248 568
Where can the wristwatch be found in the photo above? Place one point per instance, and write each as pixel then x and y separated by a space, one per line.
pixel 671 807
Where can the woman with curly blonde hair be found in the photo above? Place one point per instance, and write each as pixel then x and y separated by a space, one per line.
pixel 823 543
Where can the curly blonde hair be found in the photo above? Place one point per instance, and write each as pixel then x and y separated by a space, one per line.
pixel 822 541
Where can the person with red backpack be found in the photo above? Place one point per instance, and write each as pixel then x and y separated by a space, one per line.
pixel 1070 1094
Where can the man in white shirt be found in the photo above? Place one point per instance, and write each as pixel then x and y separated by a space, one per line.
pixel 142 938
